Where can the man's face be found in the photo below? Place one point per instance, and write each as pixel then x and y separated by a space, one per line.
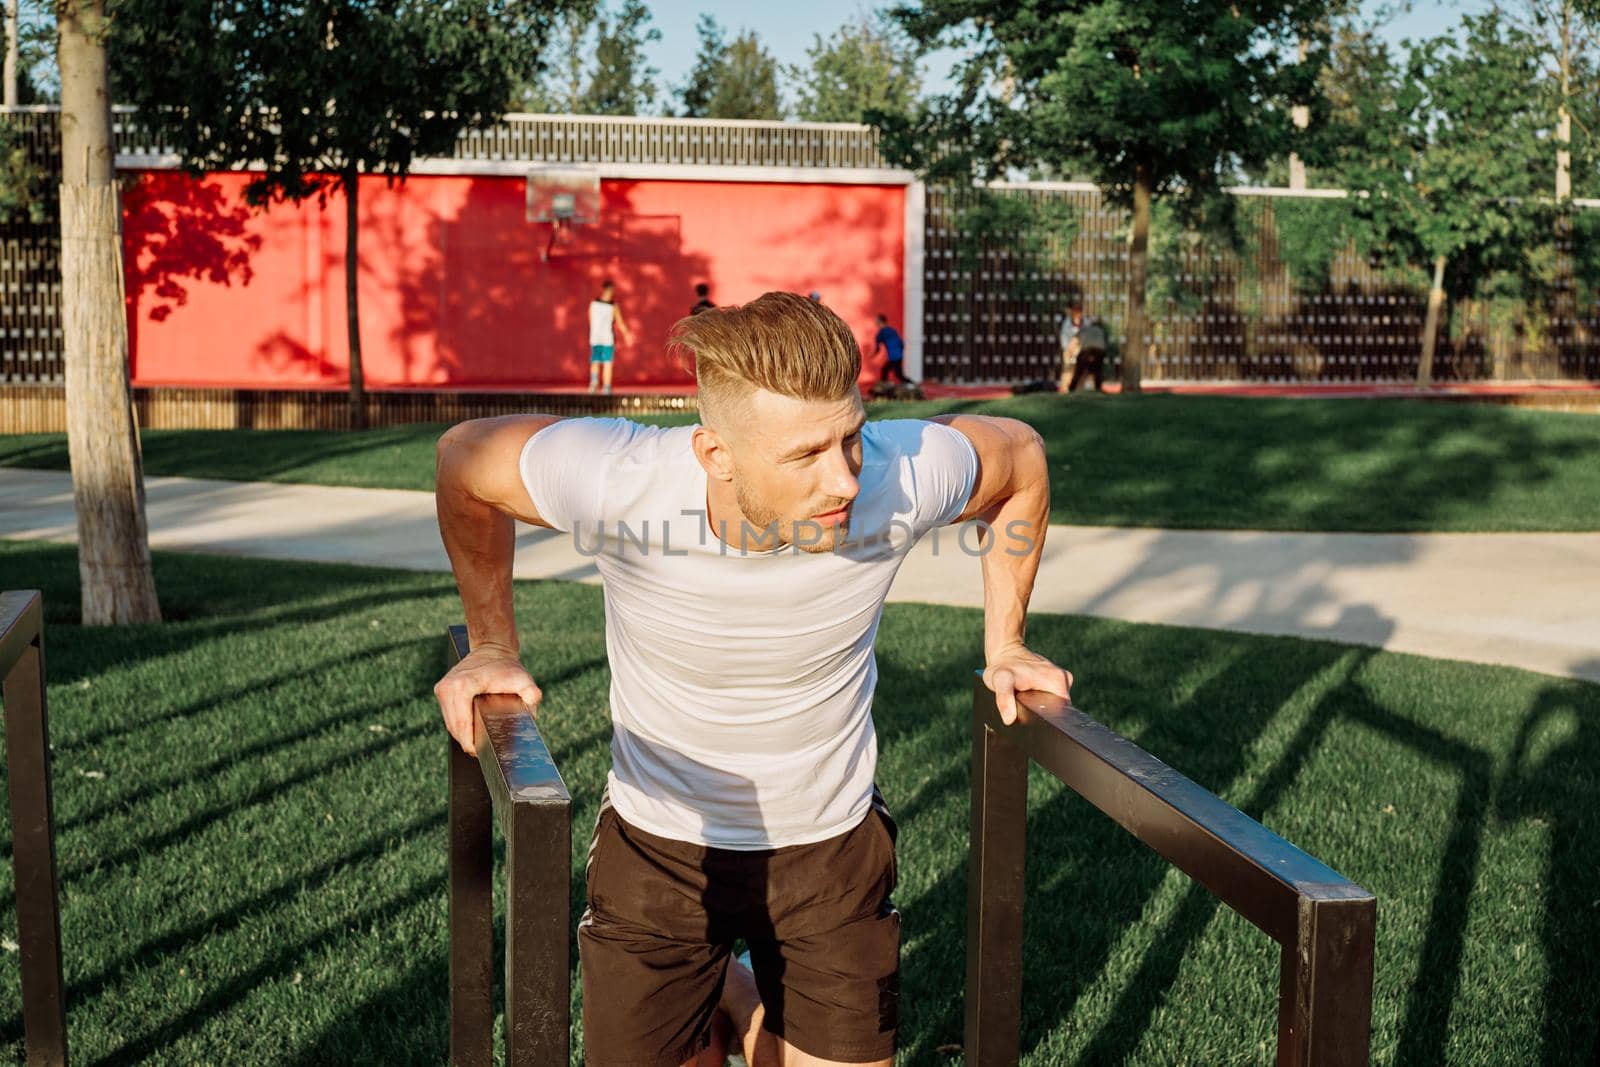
pixel 797 465
pixel 1077 316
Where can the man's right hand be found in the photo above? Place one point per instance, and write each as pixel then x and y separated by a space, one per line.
pixel 488 669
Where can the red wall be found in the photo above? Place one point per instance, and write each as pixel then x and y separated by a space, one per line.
pixel 453 292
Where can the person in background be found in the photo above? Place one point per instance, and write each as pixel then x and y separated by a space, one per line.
pixel 815 297
pixel 1090 342
pixel 1070 324
pixel 605 319
pixel 888 341
pixel 702 292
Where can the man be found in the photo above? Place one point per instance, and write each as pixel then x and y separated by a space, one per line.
pixel 605 319
pixel 1083 349
pixel 745 562
pixel 1068 330
pixel 1091 344
pixel 702 293
pixel 887 340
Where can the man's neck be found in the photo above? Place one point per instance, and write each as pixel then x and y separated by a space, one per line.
pixel 730 525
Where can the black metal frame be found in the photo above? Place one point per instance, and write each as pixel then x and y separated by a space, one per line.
pixel 33 847
pixel 514 781
pixel 1324 922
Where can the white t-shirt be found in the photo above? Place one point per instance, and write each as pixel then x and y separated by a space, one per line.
pixel 601 316
pixel 741 682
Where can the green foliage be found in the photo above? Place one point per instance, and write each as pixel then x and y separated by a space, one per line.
pixel 595 64
pixel 735 79
pixel 1440 159
pixel 1195 91
pixel 1311 232
pixel 24 192
pixel 36 45
pixel 1196 248
pixel 867 66
pixel 694 95
pixel 1586 257
pixel 623 82
pixel 320 87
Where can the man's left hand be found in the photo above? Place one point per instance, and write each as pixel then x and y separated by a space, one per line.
pixel 1015 670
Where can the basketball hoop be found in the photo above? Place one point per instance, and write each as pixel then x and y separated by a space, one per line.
pixel 562 197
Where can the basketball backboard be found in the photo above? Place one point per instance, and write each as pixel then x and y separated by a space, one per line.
pixel 563 194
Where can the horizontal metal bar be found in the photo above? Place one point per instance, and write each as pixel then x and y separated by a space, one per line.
pixel 1251 869
pixel 517 764
pixel 21 617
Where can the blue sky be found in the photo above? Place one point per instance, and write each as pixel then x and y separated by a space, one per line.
pixel 789 28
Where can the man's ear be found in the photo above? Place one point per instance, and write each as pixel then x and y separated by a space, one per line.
pixel 713 453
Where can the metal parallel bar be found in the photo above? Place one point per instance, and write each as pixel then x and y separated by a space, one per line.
pixel 1254 871
pixel 33 848
pixel 1325 989
pixel 994 899
pixel 471 914
pixel 1325 923
pixel 518 780
pixel 538 924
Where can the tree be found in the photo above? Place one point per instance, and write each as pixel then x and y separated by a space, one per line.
pixel 318 92
pixel 107 482
pixel 1160 99
pixel 869 65
pixel 1566 35
pixel 30 41
pixel 598 64
pixel 1442 165
pixel 623 82
pixel 731 80
pixel 694 95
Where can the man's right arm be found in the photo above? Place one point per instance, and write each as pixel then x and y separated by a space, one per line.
pixel 479 493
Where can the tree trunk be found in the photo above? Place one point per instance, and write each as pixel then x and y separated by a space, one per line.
pixel 102 440
pixel 1430 327
pixel 1138 245
pixel 352 287
pixel 12 54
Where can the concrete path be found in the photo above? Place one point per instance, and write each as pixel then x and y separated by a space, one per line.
pixel 1527 600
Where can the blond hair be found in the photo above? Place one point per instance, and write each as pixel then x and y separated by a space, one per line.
pixel 781 342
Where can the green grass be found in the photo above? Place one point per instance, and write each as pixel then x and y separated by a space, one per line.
pixel 258 877
pixel 1187 462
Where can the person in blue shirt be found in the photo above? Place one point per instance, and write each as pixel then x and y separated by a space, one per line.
pixel 889 342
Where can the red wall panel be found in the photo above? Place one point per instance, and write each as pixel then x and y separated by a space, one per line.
pixel 453 291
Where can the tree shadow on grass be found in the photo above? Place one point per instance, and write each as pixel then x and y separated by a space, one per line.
pixel 1292 464
pixel 257 455
pixel 1559 788
pixel 1430 999
pixel 1079 855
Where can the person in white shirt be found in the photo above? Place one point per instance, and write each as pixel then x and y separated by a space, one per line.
pixel 605 319
pixel 745 562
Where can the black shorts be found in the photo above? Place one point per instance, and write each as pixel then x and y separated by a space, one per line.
pixel 655 942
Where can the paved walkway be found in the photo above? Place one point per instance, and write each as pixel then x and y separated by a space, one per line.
pixel 1527 600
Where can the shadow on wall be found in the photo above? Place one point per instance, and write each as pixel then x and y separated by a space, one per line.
pixel 453 284
pixel 188 233
pixel 498 315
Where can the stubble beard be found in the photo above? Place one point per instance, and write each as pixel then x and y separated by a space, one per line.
pixel 806 535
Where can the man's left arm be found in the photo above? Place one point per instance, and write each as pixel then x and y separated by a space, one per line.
pixel 1011 493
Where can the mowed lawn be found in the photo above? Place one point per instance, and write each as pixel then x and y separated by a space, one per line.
pixel 251 826
pixel 1173 461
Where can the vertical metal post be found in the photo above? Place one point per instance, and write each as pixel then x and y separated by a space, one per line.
pixel 994 898
pixel 538 926
pixel 1325 988
pixel 33 854
pixel 471 914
